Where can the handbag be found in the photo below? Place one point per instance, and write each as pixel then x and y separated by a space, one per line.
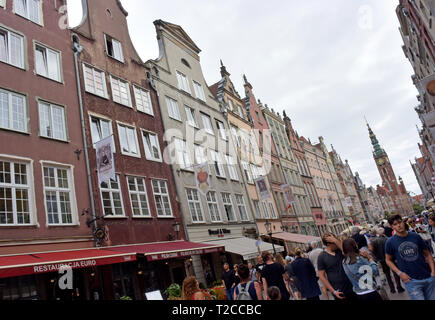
pixel 376 286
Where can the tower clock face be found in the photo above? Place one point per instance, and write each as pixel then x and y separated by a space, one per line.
pixel 381 162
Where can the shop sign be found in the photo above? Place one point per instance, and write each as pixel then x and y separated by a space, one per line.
pixel 182 254
pixel 58 266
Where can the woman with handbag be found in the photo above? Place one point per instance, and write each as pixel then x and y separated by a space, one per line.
pixel 361 270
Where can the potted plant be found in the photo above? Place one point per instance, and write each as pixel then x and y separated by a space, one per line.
pixel 174 292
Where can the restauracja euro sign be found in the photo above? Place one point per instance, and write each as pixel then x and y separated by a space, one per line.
pixel 72 265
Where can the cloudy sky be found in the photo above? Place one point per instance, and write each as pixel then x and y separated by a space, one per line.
pixel 326 63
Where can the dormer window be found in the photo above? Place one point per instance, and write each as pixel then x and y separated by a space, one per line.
pixel 114 48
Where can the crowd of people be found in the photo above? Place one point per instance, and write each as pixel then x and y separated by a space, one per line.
pixel 354 266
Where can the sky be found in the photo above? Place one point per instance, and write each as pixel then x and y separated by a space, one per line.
pixel 328 64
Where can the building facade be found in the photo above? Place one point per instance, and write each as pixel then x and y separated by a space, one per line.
pixel 197 133
pixel 248 153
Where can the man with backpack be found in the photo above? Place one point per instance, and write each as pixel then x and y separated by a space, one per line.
pixel 247 289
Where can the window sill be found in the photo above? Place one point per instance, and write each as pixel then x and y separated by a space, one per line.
pixel 123 105
pixel 47 78
pixel 178 120
pixel 131 155
pixel 53 139
pixel 97 95
pixel 12 65
pixel 16 226
pixel 16 131
pixel 165 217
pixel 155 160
pixel 62 225
pixel 38 24
pixel 148 114
pixel 113 58
pixel 222 178
pixel 143 217
pixel 115 217
pixel 187 170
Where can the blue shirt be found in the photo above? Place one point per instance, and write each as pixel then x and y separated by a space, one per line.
pixel 355 272
pixel 408 253
pixel 251 290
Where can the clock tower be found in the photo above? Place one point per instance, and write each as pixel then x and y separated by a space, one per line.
pixel 395 187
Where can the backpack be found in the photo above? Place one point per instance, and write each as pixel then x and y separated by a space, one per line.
pixel 244 293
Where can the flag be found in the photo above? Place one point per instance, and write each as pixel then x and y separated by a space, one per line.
pixel 105 161
pixel 202 178
pixel 288 195
pixel 263 190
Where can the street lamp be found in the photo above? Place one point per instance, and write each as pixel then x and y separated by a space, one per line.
pixel 176 227
pixel 268 227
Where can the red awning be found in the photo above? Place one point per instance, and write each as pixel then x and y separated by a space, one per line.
pixel 170 250
pixel 38 263
pixel 295 238
pixel 20 265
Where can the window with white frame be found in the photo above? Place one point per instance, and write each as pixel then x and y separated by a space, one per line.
pixel 272 211
pixel 173 109
pixel 232 169
pixel 183 83
pixel 161 198
pixel 222 131
pixel 236 135
pixel 101 129
pixel 2 3
pixel 200 155
pixel 254 170
pixel 191 117
pixel 199 91
pixel 13 111
pixel 242 208
pixel 182 154
pixel 47 63
pixel 95 81
pixel 29 9
pixel 152 147
pixel 228 206
pixel 213 207
pixel 120 91
pixel 230 104
pixel 206 121
pixel 15 193
pixel 143 100
pixel 128 140
pixel 52 122
pixel 218 164
pixel 240 111
pixel 265 210
pixel 112 198
pixel 247 170
pixel 138 197
pixel 11 48
pixel 114 48
pixel 257 209
pixel 194 203
pixel 58 195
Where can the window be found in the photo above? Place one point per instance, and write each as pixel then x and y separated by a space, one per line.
pixel 14 193
pixel 272 211
pixel 191 117
pixel 257 209
pixel 247 170
pixel 235 133
pixel 173 110
pixel 47 63
pixel 11 48
pixel 266 212
pixel 217 160
pixel 183 83
pixel 230 104
pixel 138 197
pixel 120 91
pixel 52 121
pixel 29 9
pixel 258 116
pixel 207 124
pixel 112 198
pixel 13 111
pixel 194 203
pixel 2 3
pixel 95 81
pixel 221 128
pixel 200 155
pixel 152 147
pixel 143 100
pixel 199 92
pixel 161 197
pixel 240 111
pixel 114 48
pixel 101 129
pixel 213 207
pixel 58 198
pixel 228 205
pixel 128 140
pixel 232 168
pixel 182 154
pixel 242 209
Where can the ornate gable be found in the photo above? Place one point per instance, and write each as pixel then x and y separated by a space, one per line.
pixel 178 33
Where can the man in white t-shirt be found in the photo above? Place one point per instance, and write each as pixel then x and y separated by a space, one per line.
pixel 313 256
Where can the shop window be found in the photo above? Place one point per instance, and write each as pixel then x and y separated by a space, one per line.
pixel 22 288
pixel 122 281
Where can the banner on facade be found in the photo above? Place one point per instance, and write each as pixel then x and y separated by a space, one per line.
pixel 105 161
pixel 432 151
pixel 202 177
pixel 263 190
pixel 349 202
pixel 288 194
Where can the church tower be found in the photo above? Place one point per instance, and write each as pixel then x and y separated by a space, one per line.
pixel 395 187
